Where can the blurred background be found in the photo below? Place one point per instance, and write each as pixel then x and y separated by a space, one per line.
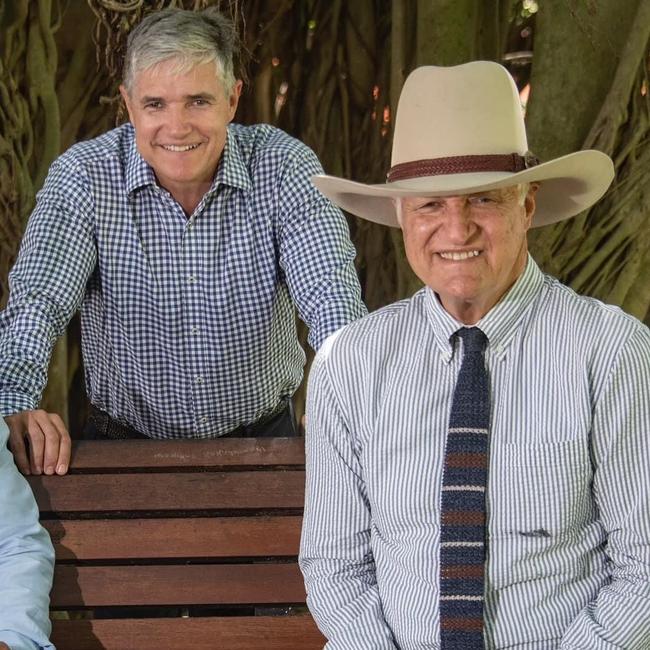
pixel 329 72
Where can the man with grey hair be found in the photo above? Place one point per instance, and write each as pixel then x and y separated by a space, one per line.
pixel 186 241
pixel 478 455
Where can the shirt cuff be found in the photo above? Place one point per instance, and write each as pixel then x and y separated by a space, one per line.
pixel 17 641
pixel 11 403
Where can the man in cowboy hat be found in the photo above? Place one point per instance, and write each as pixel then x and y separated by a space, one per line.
pixel 478 455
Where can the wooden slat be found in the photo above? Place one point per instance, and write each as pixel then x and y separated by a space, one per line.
pixel 156 454
pixel 96 586
pixel 175 538
pixel 237 633
pixel 174 492
pixel 138 479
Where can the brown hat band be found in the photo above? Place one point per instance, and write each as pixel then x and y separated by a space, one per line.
pixel 510 162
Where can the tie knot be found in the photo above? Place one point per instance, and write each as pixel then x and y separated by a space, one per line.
pixel 474 340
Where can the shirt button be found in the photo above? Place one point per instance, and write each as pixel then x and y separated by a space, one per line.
pixel 191 279
pixel 199 379
pixel 204 419
pixel 194 330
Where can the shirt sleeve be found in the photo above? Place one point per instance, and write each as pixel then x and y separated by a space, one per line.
pixel 47 283
pixel 26 561
pixel 619 617
pixel 316 254
pixel 336 555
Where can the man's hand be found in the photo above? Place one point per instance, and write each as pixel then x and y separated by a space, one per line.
pixel 49 442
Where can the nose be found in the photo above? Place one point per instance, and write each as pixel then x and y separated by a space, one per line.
pixel 178 124
pixel 458 221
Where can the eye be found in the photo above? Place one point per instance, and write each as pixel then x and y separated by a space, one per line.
pixel 200 101
pixel 424 205
pixel 429 204
pixel 482 199
pixel 153 105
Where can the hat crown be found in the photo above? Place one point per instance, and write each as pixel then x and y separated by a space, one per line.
pixel 460 130
pixel 465 110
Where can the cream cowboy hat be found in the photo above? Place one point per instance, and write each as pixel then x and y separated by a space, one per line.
pixel 460 130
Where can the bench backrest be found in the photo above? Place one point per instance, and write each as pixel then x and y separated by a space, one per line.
pixel 178 544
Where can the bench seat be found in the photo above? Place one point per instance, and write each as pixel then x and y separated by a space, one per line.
pixel 178 544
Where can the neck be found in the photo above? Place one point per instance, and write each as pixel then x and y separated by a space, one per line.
pixel 466 313
pixel 188 197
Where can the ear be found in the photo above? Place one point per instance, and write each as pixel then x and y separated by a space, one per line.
pixel 529 203
pixel 233 100
pixel 127 101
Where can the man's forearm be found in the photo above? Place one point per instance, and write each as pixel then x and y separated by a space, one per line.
pixel 26 560
pixel 357 624
pixel 29 326
pixel 12 641
pixel 618 618
pixel 619 615
pixel 316 253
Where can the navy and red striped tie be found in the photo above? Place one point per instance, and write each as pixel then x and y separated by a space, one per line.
pixel 462 540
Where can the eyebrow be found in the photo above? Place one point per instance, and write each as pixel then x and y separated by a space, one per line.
pixel 148 98
pixel 422 200
pixel 201 96
pixel 498 192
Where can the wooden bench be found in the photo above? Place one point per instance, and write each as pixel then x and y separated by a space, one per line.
pixel 178 545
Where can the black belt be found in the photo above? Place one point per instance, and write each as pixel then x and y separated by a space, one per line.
pixel 101 426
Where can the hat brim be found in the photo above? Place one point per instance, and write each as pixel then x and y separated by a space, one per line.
pixel 568 185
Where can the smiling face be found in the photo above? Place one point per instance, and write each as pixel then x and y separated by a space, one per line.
pixel 469 249
pixel 180 122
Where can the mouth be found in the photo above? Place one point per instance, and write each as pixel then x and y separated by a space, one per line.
pixel 459 256
pixel 179 148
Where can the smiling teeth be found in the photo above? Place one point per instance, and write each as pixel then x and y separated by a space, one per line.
pixel 179 148
pixel 460 256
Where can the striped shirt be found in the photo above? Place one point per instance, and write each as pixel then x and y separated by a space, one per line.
pixel 568 494
pixel 188 324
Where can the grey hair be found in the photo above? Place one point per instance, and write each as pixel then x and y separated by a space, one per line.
pixel 397 203
pixel 522 192
pixel 189 38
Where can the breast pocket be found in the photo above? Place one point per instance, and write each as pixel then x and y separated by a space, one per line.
pixel 541 490
pixel 541 513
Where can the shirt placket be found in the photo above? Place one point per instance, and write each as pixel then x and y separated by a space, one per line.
pixel 193 284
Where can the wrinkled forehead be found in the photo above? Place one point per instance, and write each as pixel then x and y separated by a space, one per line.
pixel 503 193
pixel 173 69
pixel 180 66
pixel 177 76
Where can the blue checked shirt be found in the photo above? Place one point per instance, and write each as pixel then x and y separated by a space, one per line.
pixel 188 325
pixel 568 494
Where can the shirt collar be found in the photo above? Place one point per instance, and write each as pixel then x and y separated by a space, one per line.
pixel 138 172
pixel 499 324
pixel 232 169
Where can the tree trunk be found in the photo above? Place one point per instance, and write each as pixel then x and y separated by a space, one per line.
pixel 588 89
pixel 330 73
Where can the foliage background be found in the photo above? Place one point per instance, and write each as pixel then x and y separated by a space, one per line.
pixel 330 72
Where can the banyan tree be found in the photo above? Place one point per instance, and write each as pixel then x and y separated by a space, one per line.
pixel 329 72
